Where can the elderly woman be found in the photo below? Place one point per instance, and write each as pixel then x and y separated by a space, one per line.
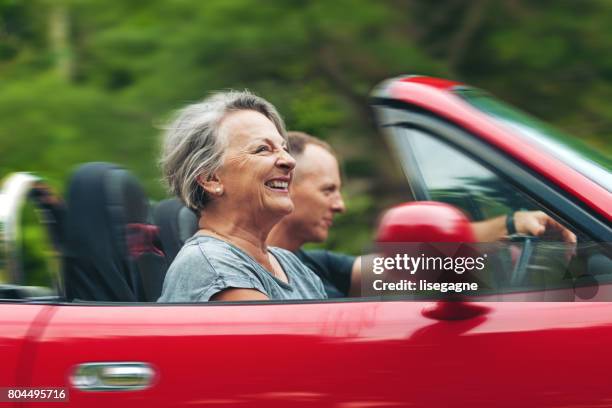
pixel 226 158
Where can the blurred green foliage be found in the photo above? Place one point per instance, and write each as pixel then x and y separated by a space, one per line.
pixel 40 261
pixel 92 80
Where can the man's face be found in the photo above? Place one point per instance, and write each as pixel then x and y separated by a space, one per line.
pixel 315 192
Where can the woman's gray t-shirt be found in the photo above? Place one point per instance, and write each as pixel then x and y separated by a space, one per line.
pixel 207 265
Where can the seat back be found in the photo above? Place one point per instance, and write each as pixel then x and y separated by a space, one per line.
pixel 176 223
pixel 109 247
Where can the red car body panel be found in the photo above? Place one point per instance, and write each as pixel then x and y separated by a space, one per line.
pixel 340 354
pixel 426 93
pixel 21 326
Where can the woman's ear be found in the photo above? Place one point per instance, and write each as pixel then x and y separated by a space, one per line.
pixel 212 185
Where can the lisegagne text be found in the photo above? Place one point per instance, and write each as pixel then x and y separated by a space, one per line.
pixel 424 285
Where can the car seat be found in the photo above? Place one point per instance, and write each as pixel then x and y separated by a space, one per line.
pixel 176 223
pixel 111 253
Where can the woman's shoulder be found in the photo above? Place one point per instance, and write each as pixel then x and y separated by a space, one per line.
pixel 206 241
pixel 197 252
pixel 222 256
pixel 205 266
pixel 189 259
pixel 207 246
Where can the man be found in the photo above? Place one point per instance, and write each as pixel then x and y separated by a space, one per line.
pixel 315 191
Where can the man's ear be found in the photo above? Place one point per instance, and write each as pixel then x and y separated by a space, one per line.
pixel 212 185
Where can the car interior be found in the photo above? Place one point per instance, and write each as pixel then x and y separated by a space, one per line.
pixel 113 245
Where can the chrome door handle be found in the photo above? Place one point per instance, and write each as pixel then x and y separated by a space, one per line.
pixel 112 376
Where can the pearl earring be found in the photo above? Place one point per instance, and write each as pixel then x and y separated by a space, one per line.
pixel 218 190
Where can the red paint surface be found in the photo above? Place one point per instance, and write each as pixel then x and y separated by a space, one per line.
pixel 424 221
pixel 339 354
pixel 20 327
pixel 439 83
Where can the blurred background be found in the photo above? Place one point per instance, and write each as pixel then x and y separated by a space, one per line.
pixel 93 80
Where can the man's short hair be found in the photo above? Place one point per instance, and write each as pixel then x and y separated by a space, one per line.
pixel 297 142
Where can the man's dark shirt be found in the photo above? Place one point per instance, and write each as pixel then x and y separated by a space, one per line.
pixel 334 270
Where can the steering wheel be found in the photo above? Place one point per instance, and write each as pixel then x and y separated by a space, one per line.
pixel 519 272
pixel 542 265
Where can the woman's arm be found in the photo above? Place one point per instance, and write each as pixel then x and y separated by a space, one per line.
pixel 236 295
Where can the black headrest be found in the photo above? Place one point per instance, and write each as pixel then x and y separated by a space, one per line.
pixel 102 201
pixel 176 223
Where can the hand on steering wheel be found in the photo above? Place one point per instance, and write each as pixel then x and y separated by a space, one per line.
pixel 532 225
pixel 538 223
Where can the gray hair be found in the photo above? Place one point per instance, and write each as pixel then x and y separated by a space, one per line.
pixel 192 147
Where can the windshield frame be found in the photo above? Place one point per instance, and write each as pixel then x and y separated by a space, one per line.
pixel 596 166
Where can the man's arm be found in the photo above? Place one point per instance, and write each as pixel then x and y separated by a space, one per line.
pixel 534 223
pixel 355 290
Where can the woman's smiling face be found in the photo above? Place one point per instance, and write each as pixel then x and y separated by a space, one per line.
pixel 257 168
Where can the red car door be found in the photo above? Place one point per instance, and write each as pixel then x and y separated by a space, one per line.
pixel 346 354
pixel 238 355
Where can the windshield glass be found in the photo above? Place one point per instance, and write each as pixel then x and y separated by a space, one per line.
pixel 569 149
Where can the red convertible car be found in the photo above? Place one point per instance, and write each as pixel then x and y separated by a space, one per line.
pixel 96 332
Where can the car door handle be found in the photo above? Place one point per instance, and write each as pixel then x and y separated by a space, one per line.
pixel 112 376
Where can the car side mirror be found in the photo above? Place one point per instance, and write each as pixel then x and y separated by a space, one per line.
pixel 424 221
pixel 429 230
pixel 431 222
